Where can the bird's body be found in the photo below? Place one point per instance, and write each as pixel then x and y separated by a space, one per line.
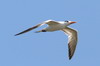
pixel 59 25
pixel 54 25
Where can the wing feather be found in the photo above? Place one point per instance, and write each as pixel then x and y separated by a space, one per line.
pixel 72 40
pixel 49 22
pixel 29 29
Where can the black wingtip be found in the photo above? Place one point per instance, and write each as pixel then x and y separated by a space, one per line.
pixel 16 35
pixel 69 50
pixel 70 58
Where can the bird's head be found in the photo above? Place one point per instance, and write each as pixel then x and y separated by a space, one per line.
pixel 70 22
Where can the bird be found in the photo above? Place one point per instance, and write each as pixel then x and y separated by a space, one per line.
pixel 62 26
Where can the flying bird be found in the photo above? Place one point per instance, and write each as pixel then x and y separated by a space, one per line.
pixel 59 25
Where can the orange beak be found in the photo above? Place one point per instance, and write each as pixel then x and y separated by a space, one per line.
pixel 72 22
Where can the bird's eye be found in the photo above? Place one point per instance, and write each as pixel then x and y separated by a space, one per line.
pixel 66 21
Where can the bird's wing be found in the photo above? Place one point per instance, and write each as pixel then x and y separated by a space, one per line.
pixel 29 29
pixel 51 22
pixel 72 40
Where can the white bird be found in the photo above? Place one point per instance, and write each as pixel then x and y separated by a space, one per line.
pixel 59 25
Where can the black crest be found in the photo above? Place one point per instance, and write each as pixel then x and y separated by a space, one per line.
pixel 66 21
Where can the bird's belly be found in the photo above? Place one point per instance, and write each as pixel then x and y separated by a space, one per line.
pixel 55 28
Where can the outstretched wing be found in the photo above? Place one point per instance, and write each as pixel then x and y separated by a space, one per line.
pixel 49 22
pixel 29 29
pixel 72 40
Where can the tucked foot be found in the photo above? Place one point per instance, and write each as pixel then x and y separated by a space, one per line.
pixel 40 31
pixel 43 30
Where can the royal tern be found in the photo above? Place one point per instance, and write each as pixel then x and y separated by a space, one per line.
pixel 59 25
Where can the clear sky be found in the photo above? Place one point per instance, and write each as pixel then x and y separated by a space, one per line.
pixel 48 49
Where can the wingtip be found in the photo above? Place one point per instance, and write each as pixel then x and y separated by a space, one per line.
pixel 70 58
pixel 69 50
pixel 16 35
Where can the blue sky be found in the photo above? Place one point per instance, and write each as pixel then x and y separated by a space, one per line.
pixel 48 49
